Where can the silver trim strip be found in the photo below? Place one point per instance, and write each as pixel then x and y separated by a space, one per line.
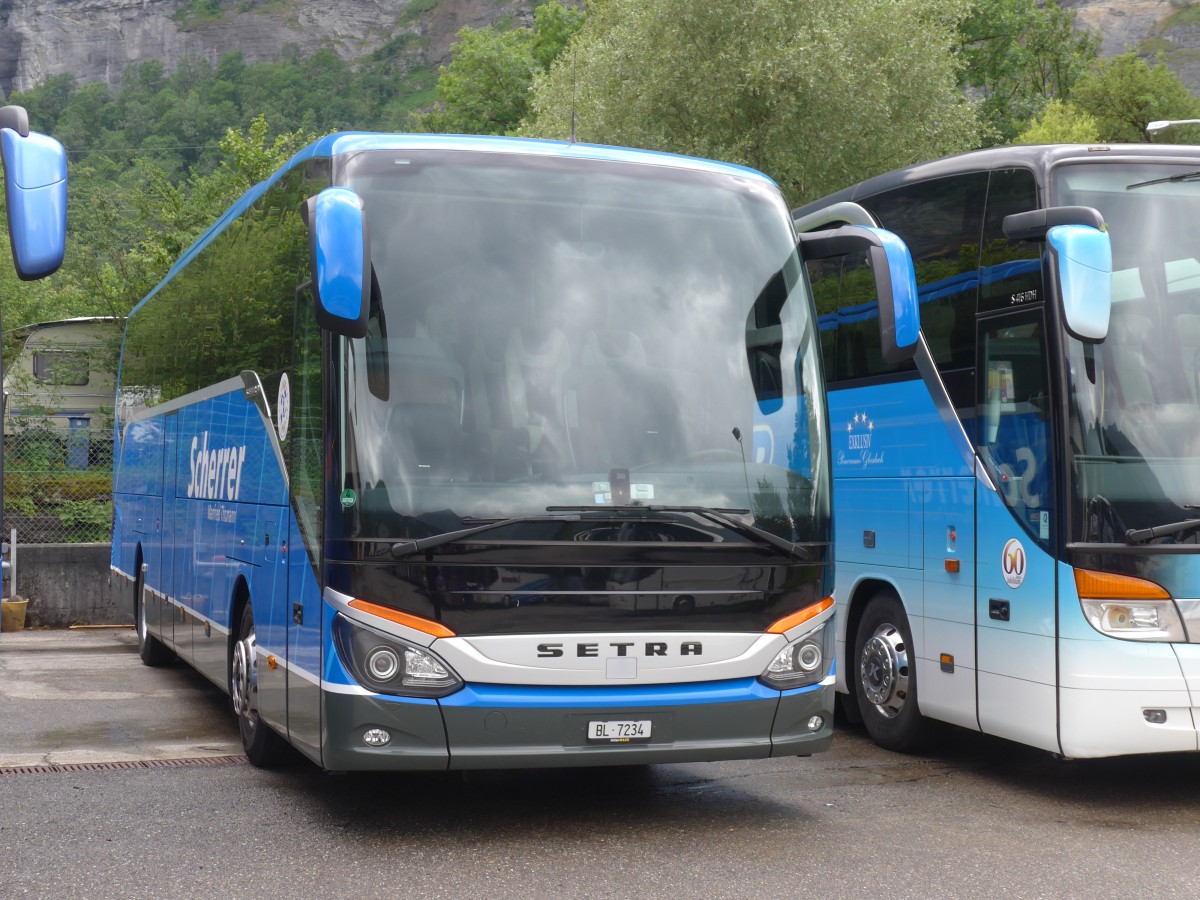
pixel 847 212
pixel 248 382
pixel 941 400
pixel 178 403
pixel 341 602
pixel 1189 611
pixel 291 667
pixel 558 593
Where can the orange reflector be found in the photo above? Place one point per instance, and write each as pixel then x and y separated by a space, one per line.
pixel 1106 586
pixel 952 565
pixel 787 623
pixel 272 662
pixel 428 626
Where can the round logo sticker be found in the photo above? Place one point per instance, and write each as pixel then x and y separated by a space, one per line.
pixel 283 407
pixel 1013 563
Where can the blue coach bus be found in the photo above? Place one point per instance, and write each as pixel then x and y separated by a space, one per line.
pixel 35 195
pixel 1017 527
pixel 445 452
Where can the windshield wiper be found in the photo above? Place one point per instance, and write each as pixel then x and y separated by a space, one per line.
pixel 1142 535
pixel 1178 176
pixel 401 549
pixel 721 516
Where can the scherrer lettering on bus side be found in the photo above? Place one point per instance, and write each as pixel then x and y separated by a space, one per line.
pixel 216 473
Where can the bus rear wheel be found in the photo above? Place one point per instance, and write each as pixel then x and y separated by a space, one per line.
pixel 263 747
pixel 152 651
pixel 885 669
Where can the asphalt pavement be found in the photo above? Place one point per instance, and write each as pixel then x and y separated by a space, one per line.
pixel 82 696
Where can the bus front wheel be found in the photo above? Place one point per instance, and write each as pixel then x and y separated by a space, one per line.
pixel 885 670
pixel 263 747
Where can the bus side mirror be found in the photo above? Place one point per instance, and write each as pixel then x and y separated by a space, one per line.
pixel 35 191
pixel 1081 263
pixel 340 256
pixel 895 280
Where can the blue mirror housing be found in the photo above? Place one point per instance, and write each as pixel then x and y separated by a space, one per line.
pixel 895 280
pixel 35 189
pixel 341 264
pixel 1081 260
pixel 893 257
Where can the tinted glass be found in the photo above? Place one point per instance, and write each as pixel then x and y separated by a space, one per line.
pixel 1135 398
pixel 228 310
pixel 1014 417
pixel 1010 271
pixel 941 221
pixel 575 332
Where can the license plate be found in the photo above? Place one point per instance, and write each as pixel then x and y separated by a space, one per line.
pixel 619 732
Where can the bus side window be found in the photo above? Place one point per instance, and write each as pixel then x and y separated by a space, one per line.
pixel 942 222
pixel 1014 417
pixel 1010 271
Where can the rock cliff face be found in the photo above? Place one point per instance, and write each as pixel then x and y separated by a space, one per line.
pixel 1149 27
pixel 95 40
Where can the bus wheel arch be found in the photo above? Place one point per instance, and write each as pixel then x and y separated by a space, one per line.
pixel 883 671
pixel 262 746
pixel 861 595
pixel 151 650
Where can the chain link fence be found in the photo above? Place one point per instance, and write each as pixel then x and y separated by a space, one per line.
pixel 58 432
pixel 58 488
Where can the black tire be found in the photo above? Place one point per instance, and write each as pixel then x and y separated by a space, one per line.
pixel 153 652
pixel 262 746
pixel 885 673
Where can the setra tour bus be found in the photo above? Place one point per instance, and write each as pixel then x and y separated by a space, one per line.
pixel 450 453
pixel 35 195
pixel 1018 511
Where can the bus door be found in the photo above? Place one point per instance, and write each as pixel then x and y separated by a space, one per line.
pixel 176 631
pixel 1015 598
pixel 299 422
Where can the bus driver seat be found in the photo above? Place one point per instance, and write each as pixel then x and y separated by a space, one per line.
pixel 425 408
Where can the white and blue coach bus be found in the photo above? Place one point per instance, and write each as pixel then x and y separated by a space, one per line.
pixel 1017 511
pixel 452 453
pixel 35 195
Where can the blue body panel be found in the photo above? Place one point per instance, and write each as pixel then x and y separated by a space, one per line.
pixel 201 498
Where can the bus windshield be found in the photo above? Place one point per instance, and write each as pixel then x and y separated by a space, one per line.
pixel 1135 398
pixel 546 333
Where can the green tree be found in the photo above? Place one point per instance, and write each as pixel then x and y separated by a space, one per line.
pixel 816 94
pixel 1019 54
pixel 485 88
pixel 1125 94
pixel 1061 122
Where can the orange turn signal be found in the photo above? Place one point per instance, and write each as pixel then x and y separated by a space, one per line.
pixel 787 623
pixel 428 626
pixel 1107 586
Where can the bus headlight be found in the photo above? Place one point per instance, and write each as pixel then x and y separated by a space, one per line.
pixel 1132 609
pixel 801 662
pixel 390 665
pixel 1135 620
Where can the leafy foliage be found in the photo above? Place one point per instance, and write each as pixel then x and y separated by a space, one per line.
pixel 1125 94
pixel 485 88
pixel 817 94
pixel 1018 55
pixel 1061 122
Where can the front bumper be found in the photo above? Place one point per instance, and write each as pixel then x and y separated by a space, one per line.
pixel 500 727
